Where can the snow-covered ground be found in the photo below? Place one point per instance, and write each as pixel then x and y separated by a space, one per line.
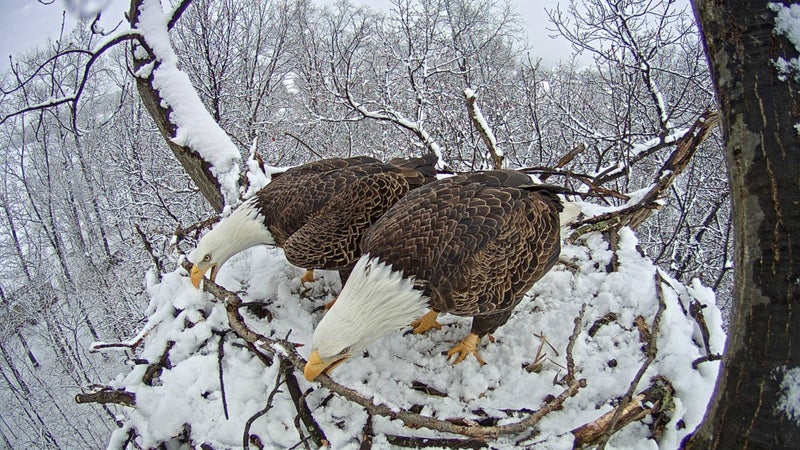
pixel 188 391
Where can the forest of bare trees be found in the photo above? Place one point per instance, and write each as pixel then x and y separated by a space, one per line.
pixel 92 193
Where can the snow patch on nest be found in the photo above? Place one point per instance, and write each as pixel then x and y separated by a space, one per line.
pixel 188 391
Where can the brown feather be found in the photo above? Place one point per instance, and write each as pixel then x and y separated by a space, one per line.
pixel 474 243
pixel 318 212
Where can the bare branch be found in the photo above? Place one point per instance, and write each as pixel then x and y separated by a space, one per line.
pixel 177 13
pixel 657 399
pixel 634 215
pixel 73 98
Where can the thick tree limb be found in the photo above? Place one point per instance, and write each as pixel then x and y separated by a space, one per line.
pixel 656 399
pixel 198 168
pixel 106 396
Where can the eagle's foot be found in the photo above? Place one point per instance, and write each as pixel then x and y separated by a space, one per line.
pixel 307 277
pixel 426 322
pixel 327 306
pixel 467 345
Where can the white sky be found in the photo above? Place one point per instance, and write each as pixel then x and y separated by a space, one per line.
pixel 28 23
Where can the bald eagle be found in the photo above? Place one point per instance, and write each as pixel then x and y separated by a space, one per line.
pixel 316 212
pixel 469 245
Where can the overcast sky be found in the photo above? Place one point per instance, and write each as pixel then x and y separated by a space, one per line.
pixel 29 23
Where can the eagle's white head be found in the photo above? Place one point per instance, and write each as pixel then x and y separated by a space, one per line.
pixel 374 302
pixel 243 229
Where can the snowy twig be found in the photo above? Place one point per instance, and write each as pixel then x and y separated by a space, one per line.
pixel 422 442
pixel 149 247
pixel 635 214
pixel 246 434
pixel 181 233
pixel 569 378
pixel 154 370
pixel 483 128
pixel 76 95
pixel 177 13
pixel 605 320
pixel 696 311
pixel 650 355
pixel 652 401
pixel 131 344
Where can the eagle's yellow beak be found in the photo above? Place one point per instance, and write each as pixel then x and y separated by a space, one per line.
pixel 316 366
pixel 197 273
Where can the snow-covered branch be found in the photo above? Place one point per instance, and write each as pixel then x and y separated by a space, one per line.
pixel 203 148
pixel 398 119
pixel 642 205
pixel 483 128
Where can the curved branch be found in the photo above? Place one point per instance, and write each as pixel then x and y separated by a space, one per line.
pixel 177 13
pixel 75 97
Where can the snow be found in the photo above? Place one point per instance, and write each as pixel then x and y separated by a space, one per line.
pixel 188 390
pixel 787 23
pixel 195 128
pixel 789 399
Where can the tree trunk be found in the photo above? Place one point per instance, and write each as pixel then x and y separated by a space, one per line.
pixel 759 110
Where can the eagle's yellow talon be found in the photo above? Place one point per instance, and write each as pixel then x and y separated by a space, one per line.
pixel 330 304
pixel 467 345
pixel 307 277
pixel 426 322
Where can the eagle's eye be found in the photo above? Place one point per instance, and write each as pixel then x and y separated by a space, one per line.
pixel 343 352
pixel 207 258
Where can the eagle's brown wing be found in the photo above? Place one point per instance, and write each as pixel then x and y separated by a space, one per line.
pixel 292 198
pixel 474 243
pixel 331 238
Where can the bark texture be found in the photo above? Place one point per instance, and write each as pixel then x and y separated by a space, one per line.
pixel 195 166
pixel 759 112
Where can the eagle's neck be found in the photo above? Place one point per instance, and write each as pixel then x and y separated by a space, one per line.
pixel 375 301
pixel 243 229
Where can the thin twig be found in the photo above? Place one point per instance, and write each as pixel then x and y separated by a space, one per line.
pixel 423 442
pixel 650 355
pixel 576 330
pixel 267 407
pixel 149 247
pixel 303 411
pixel 366 434
pixel 696 311
pixel 707 358
pixel 220 356
pixel 287 351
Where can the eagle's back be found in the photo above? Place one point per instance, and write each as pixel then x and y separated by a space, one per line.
pixel 474 243
pixel 318 212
